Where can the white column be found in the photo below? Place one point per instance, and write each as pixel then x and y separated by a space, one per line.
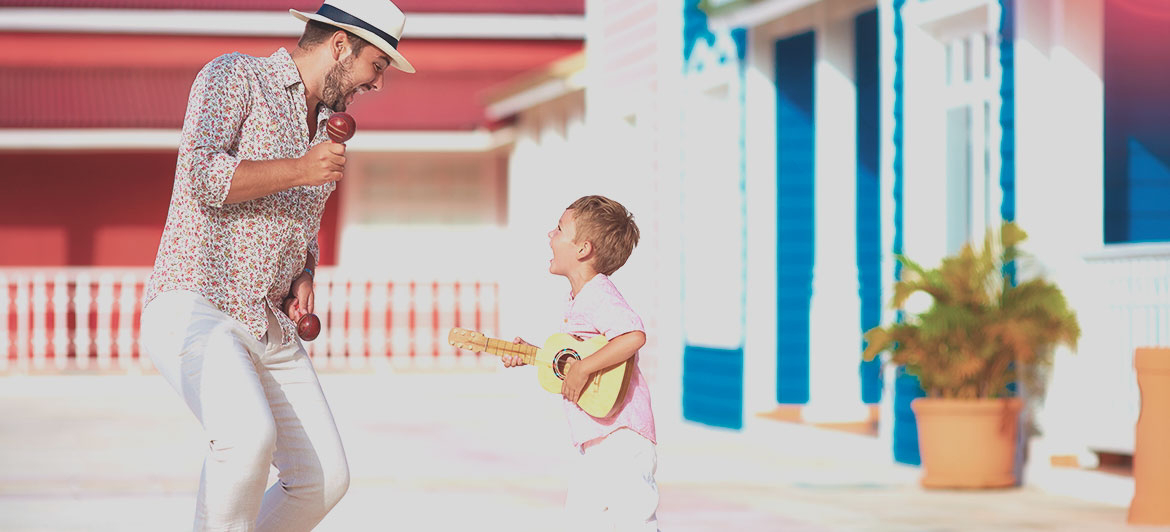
pixel 887 42
pixel 1059 80
pixel 835 320
pixel 759 358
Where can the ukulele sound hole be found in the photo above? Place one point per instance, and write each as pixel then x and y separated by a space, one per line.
pixel 562 360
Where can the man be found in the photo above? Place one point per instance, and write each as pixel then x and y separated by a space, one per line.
pixel 254 171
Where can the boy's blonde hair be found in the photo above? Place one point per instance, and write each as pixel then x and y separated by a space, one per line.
pixel 609 227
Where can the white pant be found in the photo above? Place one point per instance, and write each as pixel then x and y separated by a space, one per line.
pixel 613 487
pixel 259 404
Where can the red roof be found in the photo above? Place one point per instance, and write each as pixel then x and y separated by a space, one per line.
pixel 567 7
pixel 142 81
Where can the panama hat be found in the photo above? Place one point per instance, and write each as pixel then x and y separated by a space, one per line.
pixel 379 22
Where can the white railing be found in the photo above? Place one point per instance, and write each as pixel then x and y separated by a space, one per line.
pixel 1129 288
pixel 86 319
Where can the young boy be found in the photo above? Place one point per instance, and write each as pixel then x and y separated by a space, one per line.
pixel 613 487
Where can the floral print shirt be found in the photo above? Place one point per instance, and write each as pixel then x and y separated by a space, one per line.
pixel 241 256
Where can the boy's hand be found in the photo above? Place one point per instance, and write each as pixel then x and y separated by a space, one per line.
pixel 514 360
pixel 576 377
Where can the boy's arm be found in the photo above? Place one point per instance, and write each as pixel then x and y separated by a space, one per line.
pixel 618 350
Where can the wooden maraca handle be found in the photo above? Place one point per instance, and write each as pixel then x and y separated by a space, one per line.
pixel 340 127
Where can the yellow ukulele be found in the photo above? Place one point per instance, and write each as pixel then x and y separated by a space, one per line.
pixel 604 390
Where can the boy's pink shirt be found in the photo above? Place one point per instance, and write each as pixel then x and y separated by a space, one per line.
pixel 600 309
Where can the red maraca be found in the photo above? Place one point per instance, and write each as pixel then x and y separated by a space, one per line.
pixel 308 327
pixel 340 127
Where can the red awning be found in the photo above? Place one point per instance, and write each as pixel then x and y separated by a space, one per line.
pixel 566 7
pixel 142 81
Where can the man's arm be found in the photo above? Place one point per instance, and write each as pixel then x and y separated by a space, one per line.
pixel 301 298
pixel 216 111
pixel 254 179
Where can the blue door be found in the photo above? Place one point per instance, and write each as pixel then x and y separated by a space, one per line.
pixel 794 57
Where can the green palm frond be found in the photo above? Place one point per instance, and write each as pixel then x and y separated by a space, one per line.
pixel 981 332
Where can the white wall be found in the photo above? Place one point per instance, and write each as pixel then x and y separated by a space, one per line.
pixel 1059 186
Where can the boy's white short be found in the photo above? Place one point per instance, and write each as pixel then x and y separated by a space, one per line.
pixel 612 486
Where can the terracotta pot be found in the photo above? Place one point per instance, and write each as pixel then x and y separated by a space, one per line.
pixel 967 443
pixel 1151 461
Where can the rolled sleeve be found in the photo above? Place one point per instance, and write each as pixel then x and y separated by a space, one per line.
pixel 218 104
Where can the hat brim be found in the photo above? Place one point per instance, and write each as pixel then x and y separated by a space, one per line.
pixel 396 58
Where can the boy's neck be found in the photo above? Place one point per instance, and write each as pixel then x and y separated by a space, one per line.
pixel 579 277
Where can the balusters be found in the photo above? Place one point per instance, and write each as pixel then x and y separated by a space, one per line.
pixel 23 305
pixel 60 320
pixel 400 330
pixel 424 324
pixel 40 333
pixel 5 312
pixel 355 338
pixel 335 340
pixel 92 315
pixel 445 319
pixel 127 301
pixel 82 302
pixel 105 311
pixel 379 303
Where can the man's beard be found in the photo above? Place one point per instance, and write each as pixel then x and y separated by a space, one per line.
pixel 336 81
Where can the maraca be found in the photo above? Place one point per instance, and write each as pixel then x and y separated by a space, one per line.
pixel 308 327
pixel 340 127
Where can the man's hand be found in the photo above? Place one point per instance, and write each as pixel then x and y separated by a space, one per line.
pixel 323 163
pixel 300 298
pixel 514 360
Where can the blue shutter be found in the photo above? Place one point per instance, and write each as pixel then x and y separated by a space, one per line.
pixel 794 205
pixel 1137 140
pixel 906 387
pixel 869 216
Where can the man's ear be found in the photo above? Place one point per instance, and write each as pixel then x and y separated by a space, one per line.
pixel 338 44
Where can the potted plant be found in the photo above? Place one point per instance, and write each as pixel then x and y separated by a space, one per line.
pixel 983 336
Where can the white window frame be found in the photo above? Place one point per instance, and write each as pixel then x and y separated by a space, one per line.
pixel 927 97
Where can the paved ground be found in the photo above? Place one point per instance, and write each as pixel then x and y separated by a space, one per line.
pixel 484 451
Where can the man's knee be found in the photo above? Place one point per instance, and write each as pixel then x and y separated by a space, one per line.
pixel 336 483
pixel 325 480
pixel 251 447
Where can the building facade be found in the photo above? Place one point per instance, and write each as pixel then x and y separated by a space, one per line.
pixel 847 132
